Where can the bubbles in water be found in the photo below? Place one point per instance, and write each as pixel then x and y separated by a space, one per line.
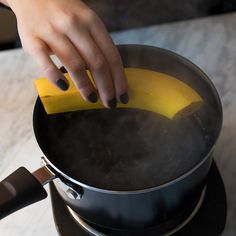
pixel 124 149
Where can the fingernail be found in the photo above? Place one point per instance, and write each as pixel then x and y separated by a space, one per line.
pixel 63 69
pixel 62 84
pixel 112 103
pixel 92 97
pixel 124 98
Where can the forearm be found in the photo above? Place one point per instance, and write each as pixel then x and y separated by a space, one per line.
pixel 4 2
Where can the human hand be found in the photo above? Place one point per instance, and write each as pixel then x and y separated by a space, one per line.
pixel 77 36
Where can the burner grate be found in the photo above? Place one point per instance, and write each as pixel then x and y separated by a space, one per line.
pixel 208 217
pixel 95 232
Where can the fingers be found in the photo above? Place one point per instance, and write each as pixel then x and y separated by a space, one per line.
pixel 80 47
pixel 76 35
pixel 75 65
pixel 97 64
pixel 39 50
pixel 111 54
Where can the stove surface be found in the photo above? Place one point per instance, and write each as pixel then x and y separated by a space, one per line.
pixel 209 220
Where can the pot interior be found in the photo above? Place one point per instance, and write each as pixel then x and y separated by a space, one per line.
pixel 132 149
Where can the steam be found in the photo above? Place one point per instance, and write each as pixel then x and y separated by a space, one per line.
pixel 124 149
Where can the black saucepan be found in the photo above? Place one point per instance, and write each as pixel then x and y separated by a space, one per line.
pixel 124 168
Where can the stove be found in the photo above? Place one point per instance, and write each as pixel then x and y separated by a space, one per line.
pixel 206 217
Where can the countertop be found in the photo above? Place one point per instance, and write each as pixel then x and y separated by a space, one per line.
pixel 208 42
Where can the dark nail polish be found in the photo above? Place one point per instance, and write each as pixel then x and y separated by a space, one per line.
pixel 93 97
pixel 112 103
pixel 63 69
pixel 124 98
pixel 62 84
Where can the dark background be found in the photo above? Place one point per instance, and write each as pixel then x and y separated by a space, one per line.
pixel 123 14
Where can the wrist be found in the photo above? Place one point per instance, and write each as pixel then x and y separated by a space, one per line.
pixel 8 3
pixel 4 2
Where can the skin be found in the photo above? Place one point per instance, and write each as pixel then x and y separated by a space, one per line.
pixel 76 35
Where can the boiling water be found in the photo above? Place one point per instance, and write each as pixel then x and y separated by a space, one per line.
pixel 124 149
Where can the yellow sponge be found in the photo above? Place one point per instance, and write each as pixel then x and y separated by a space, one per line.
pixel 148 90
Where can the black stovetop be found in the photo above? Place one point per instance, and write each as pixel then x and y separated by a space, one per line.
pixel 209 220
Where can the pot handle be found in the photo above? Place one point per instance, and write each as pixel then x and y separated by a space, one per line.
pixel 21 189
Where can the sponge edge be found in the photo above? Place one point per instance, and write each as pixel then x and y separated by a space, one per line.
pixel 148 90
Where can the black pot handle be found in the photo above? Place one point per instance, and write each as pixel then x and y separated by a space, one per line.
pixel 20 189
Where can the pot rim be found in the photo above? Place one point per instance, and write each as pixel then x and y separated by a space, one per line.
pixel 194 67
